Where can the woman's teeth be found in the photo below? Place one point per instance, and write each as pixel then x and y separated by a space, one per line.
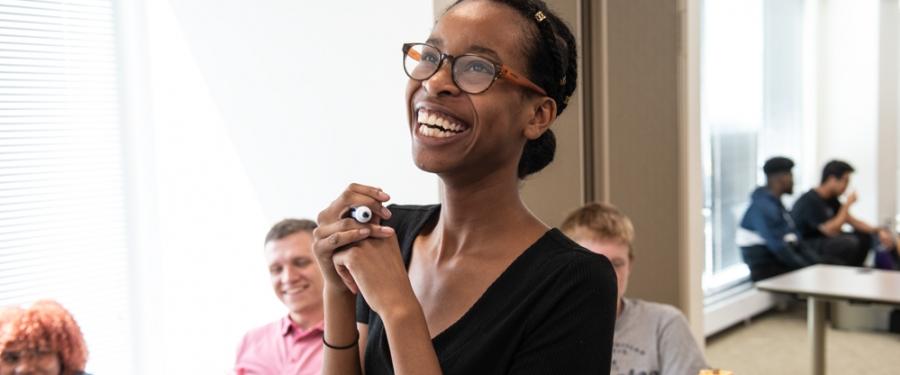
pixel 432 132
pixel 432 124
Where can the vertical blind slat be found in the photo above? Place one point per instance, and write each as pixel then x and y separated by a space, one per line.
pixel 63 232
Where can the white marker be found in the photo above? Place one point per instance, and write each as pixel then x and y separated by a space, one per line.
pixel 361 214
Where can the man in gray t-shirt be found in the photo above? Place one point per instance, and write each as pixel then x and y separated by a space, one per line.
pixel 650 338
pixel 654 339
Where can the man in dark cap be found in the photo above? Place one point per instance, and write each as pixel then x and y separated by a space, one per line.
pixel 769 240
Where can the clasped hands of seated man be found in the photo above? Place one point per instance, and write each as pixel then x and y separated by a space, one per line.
pixel 362 258
pixel 889 240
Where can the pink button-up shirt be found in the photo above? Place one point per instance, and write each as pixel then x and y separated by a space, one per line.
pixel 280 348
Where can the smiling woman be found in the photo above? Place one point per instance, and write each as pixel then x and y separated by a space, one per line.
pixel 477 284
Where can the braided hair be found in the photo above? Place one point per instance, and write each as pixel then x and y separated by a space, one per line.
pixel 552 64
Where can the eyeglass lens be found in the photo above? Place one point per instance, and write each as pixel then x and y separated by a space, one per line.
pixel 472 74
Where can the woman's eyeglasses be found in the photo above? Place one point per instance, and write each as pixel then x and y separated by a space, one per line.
pixel 471 73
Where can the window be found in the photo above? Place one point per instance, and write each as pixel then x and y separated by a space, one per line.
pixel 752 108
pixel 62 218
pixel 797 78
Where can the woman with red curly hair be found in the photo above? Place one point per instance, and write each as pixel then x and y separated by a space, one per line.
pixel 43 339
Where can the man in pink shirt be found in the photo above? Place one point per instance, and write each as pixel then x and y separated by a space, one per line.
pixel 293 344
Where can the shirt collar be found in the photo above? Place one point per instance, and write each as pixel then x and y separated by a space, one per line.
pixel 288 327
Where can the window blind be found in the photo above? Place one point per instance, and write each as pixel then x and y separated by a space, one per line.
pixel 62 208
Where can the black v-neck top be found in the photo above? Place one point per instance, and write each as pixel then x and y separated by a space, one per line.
pixel 551 312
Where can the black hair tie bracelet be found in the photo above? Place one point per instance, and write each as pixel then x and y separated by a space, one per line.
pixel 343 347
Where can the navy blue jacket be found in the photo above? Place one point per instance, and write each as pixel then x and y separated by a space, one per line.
pixel 768 218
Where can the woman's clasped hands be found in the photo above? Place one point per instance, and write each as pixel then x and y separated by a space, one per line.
pixel 362 257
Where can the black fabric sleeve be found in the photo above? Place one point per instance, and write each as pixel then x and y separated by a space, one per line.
pixel 362 310
pixel 809 213
pixel 800 213
pixel 571 331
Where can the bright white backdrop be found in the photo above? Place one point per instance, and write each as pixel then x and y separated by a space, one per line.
pixel 242 114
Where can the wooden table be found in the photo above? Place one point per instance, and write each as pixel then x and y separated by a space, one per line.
pixel 822 283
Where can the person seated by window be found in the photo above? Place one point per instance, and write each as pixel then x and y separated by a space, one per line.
pixel 43 339
pixel 292 344
pixel 649 338
pixel 767 236
pixel 820 216
pixel 888 254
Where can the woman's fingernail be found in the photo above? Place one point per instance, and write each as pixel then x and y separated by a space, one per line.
pixel 386 230
pixel 364 232
pixel 383 196
pixel 385 213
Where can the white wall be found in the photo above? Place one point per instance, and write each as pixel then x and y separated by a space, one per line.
pixel 848 95
pixel 858 99
pixel 897 129
pixel 889 110
pixel 254 112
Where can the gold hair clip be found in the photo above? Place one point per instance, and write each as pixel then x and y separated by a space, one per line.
pixel 539 16
pixel 566 100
